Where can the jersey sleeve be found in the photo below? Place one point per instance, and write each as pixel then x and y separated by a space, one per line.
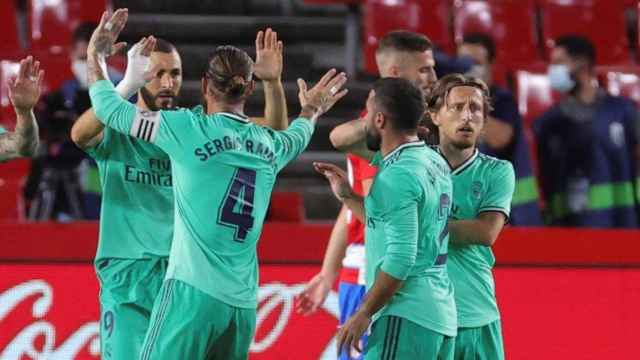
pixel 156 127
pixel 400 219
pixel 291 142
pixel 501 186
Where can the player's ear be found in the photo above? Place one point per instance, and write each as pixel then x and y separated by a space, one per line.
pixel 204 85
pixel 249 90
pixel 380 120
pixel 435 119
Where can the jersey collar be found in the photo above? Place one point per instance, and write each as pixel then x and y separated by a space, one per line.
pixel 465 164
pixel 234 116
pixel 398 149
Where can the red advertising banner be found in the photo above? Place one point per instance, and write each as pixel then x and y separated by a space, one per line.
pixel 50 311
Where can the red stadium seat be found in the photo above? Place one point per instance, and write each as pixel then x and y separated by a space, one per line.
pixel 9 28
pixel 534 94
pixel 12 175
pixel 509 22
pixel 602 21
pixel 286 206
pixel 52 22
pixel 8 69
pixel 621 81
pixel 429 17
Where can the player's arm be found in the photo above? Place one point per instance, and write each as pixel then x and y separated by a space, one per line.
pixel 350 137
pixel 341 189
pixel 316 291
pixel 268 68
pixel 24 92
pixel 495 206
pixel 87 131
pixel 400 217
pixel 498 133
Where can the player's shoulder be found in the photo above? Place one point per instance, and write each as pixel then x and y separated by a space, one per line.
pixel 493 164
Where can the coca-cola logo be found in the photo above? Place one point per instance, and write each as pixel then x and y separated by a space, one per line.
pixel 23 345
pixel 276 301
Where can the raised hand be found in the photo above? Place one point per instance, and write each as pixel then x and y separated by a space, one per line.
pixel 324 94
pixel 268 65
pixel 103 39
pixel 337 179
pixel 25 88
pixel 139 70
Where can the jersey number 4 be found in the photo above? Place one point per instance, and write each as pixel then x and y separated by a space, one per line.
pixel 237 207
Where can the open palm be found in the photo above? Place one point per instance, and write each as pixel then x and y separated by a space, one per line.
pixel 24 90
pixel 268 66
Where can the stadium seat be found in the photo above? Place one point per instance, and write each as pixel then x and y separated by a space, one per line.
pixel 534 94
pixel 509 22
pixel 52 22
pixel 621 81
pixel 12 175
pixel 9 28
pixel 429 17
pixel 602 21
pixel 8 69
pixel 286 206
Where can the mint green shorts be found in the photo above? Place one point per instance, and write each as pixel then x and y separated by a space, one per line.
pixel 481 343
pixel 394 337
pixel 128 289
pixel 187 323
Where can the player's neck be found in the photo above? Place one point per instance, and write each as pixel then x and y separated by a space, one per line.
pixel 216 107
pixel 391 142
pixel 454 155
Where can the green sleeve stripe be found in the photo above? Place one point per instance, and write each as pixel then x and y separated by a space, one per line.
pixel 526 191
pixel 601 197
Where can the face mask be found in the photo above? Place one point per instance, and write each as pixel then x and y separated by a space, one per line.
pixel 560 78
pixel 79 70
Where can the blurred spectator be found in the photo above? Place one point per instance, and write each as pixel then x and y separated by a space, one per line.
pixel 504 136
pixel 54 187
pixel 587 145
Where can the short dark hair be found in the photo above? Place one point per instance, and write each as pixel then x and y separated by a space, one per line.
pixel 483 40
pixel 404 41
pixel 164 46
pixel 83 32
pixel 230 72
pixel 401 101
pixel 578 47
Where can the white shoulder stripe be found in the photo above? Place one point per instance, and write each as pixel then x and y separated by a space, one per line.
pixel 145 125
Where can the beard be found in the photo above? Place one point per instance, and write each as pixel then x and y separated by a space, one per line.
pixel 373 139
pixel 152 100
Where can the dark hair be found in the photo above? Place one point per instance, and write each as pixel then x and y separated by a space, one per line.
pixel 164 46
pixel 83 32
pixel 578 47
pixel 401 101
pixel 404 41
pixel 229 71
pixel 483 40
pixel 437 98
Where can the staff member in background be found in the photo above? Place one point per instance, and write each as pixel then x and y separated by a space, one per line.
pixel 587 145
pixel 24 92
pixel 503 133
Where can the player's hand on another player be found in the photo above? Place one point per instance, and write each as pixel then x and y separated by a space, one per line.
pixel 268 65
pixel 25 88
pixel 313 295
pixel 139 71
pixel 103 39
pixel 351 332
pixel 320 98
pixel 338 179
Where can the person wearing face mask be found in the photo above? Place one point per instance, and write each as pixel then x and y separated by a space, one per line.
pixel 54 187
pixel 503 135
pixel 587 145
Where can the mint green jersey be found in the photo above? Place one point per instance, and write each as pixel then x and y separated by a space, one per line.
pixel 224 168
pixel 2 130
pixel 136 215
pixel 482 183
pixel 407 211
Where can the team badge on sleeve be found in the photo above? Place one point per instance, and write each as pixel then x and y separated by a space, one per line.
pixel 146 125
